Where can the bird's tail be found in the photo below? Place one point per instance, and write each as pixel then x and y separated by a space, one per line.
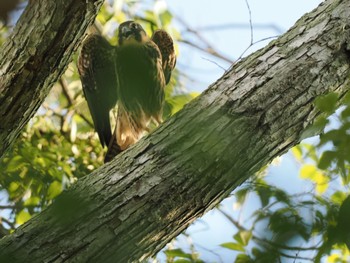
pixel 126 133
pixel 113 149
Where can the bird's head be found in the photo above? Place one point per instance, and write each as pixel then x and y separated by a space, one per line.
pixel 131 31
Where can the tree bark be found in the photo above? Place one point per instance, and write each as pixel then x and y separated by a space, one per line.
pixel 35 56
pixel 130 208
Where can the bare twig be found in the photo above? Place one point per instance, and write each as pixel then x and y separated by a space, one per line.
pixel 254 43
pixel 285 247
pixel 8 222
pixel 230 218
pixel 217 64
pixel 7 206
pixel 227 26
pixel 65 91
pixel 250 23
pixel 207 47
pixel 71 102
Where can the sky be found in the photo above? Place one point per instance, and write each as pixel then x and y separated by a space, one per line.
pixel 225 24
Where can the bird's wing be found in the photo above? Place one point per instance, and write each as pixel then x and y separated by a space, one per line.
pixel 96 65
pixel 166 46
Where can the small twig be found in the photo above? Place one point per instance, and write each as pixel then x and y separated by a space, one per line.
pixel 220 27
pixel 254 43
pixel 234 222
pixel 207 49
pixel 8 222
pixel 65 91
pixel 295 257
pixel 281 246
pixel 217 64
pixel 71 102
pixel 7 206
pixel 250 23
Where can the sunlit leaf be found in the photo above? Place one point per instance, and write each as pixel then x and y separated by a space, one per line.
pixel 165 18
pixel 243 237
pixel 14 164
pixel 233 246
pixel 308 171
pixel 241 195
pixel 297 152
pixel 177 253
pixel 321 183
pixel 54 190
pixel 32 201
pixel 338 197
pixel 311 172
pixel 22 217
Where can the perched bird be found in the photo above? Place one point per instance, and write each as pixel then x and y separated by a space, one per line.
pixel 134 74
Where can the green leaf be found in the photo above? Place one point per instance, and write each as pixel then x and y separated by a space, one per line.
pixel 327 103
pixel 338 197
pixel 14 164
pixel 264 194
pixel 178 102
pixel 297 152
pixel 54 190
pixel 22 217
pixel 177 253
pixel 310 172
pixel 326 159
pixel 32 201
pixel 316 128
pixel 241 195
pixel 165 18
pixel 243 258
pixel 243 237
pixel 345 113
pixel 233 246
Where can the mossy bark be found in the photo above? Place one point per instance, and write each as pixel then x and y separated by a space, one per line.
pixel 35 56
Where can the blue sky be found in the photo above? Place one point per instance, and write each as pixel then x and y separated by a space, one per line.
pixel 231 35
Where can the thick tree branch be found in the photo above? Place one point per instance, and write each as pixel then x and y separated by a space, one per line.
pixel 130 208
pixel 35 56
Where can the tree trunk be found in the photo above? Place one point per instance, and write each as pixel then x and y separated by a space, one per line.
pixel 35 56
pixel 130 208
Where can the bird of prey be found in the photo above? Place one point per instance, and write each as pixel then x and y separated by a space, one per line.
pixel 133 75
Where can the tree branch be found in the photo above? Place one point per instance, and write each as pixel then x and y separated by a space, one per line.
pixel 35 56
pixel 130 208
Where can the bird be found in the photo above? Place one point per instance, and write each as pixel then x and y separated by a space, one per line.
pixel 131 75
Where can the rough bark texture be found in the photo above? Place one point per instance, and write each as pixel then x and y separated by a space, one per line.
pixel 130 208
pixel 36 55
